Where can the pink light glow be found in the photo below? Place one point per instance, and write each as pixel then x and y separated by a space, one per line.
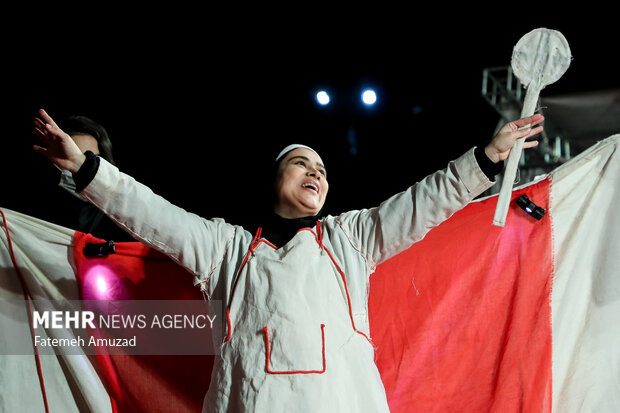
pixel 100 283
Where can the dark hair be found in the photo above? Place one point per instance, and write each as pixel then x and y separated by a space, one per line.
pixel 77 124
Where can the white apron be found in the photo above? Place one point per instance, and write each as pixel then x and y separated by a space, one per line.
pixel 292 344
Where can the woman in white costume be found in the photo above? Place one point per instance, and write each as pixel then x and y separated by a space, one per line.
pixel 295 290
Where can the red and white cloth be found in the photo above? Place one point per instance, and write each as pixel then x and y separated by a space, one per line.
pixel 472 318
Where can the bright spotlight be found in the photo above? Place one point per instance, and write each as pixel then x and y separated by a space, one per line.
pixel 322 97
pixel 369 97
pixel 102 285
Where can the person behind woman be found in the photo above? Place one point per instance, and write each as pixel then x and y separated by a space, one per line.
pixel 70 209
pixel 294 290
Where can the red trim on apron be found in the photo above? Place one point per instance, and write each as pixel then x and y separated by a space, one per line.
pixel 268 369
pixel 319 239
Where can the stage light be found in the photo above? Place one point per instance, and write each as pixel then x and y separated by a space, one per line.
pixel 102 285
pixel 369 97
pixel 322 97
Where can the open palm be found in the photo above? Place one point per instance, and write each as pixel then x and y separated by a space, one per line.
pixel 502 143
pixel 58 147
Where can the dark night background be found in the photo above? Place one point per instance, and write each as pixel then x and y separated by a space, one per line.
pixel 198 103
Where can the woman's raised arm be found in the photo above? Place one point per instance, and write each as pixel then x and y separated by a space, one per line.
pixel 194 242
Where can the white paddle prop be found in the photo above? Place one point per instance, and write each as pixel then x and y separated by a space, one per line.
pixel 539 59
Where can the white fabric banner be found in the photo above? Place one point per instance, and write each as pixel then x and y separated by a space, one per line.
pixel 586 288
pixel 43 252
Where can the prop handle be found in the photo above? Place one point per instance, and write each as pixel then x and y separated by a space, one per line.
pixel 503 200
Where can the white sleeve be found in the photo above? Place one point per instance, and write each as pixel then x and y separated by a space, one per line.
pixel 405 218
pixel 193 242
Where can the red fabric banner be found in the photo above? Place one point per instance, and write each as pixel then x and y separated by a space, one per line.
pixel 462 319
pixel 143 383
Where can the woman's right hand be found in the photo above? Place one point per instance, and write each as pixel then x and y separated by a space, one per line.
pixel 59 147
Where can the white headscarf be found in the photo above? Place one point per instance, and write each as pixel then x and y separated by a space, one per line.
pixel 290 148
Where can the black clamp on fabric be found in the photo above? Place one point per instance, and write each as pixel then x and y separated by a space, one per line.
pixel 99 249
pixel 531 208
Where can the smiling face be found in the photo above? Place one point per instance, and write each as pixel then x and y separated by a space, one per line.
pixel 301 184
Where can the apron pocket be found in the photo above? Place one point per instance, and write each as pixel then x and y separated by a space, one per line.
pixel 295 352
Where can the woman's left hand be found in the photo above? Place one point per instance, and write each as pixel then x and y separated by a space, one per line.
pixel 502 143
